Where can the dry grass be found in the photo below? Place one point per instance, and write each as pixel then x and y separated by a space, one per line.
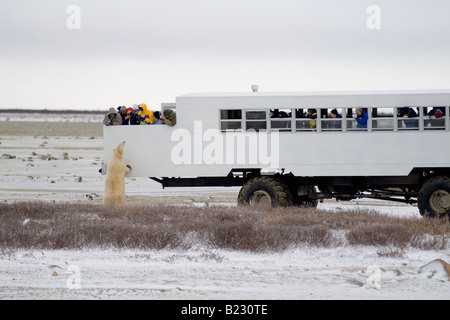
pixel 38 225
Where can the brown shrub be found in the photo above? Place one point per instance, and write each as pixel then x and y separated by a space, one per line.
pixel 39 225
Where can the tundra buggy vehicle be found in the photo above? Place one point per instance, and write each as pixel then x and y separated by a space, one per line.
pixel 288 149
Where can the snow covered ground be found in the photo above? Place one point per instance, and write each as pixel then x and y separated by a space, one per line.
pixel 31 116
pixel 65 169
pixel 345 273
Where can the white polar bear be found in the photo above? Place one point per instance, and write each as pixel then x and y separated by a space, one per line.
pixel 115 178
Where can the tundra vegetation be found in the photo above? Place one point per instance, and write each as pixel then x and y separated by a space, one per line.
pixel 41 225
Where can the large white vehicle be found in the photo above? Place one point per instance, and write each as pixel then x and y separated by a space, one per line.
pixel 298 148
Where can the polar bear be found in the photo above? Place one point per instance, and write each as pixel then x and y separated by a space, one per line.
pixel 115 178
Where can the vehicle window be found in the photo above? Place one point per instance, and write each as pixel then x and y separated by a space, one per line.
pixel 434 118
pixel 230 120
pixel 306 119
pixel 256 120
pixel 255 115
pixel 280 119
pixel 383 119
pixel 231 114
pixel 332 119
pixel 408 118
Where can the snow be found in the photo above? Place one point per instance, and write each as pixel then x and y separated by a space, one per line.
pixel 50 117
pixel 200 273
pixel 217 275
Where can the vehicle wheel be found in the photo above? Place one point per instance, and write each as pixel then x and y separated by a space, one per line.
pixel 434 197
pixel 265 191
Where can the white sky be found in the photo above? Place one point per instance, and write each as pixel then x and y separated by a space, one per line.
pixel 137 51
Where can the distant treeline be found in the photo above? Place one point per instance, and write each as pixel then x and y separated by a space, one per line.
pixel 46 111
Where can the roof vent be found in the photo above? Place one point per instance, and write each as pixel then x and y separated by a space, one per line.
pixel 255 87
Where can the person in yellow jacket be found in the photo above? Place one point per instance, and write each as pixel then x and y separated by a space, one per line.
pixel 312 114
pixel 145 115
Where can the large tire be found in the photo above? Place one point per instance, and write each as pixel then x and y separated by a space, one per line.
pixel 434 197
pixel 265 191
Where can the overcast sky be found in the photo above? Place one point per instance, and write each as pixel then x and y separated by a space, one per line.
pixel 134 51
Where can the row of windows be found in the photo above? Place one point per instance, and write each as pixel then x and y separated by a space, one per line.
pixel 336 119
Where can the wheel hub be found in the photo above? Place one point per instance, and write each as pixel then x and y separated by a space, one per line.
pixel 440 201
pixel 260 198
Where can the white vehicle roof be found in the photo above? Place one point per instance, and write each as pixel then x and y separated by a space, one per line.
pixel 343 99
pixel 315 93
